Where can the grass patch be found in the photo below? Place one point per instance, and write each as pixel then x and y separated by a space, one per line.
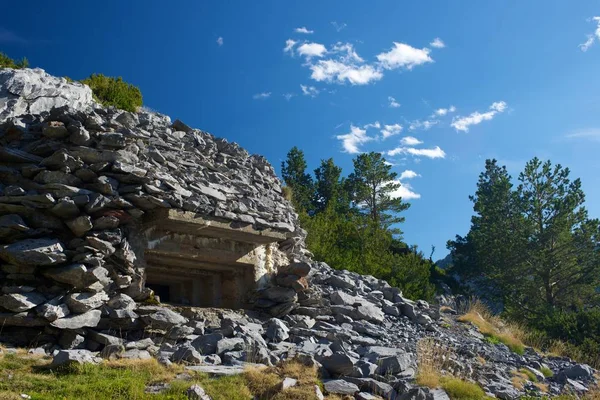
pixel 547 372
pixel 493 328
pixel 530 375
pixel 128 379
pixel 432 358
pixel 457 389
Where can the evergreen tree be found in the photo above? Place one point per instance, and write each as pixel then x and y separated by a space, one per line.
pixel 372 184
pixel 534 246
pixel 561 261
pixel 330 188
pixel 293 170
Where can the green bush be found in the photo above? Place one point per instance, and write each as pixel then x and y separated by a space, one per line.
pixel 7 62
pixel 458 389
pixel 547 372
pixel 114 92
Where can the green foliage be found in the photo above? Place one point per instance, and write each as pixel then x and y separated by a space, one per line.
pixel 533 249
pixel 547 372
pixel 492 339
pixel 349 220
pixel 114 92
pixel 457 389
pixel 7 62
pixel 530 375
pixel 293 170
pixel 372 184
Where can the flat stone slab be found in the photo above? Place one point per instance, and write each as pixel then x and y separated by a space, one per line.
pixel 223 370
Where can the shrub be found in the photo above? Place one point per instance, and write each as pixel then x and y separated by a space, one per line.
pixel 457 389
pixel 7 62
pixel 547 372
pixel 114 92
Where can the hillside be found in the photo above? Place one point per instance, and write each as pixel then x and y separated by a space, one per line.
pixel 105 212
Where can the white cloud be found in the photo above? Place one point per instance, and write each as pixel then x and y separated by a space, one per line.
pixel 404 56
pixel 338 26
pixel 410 141
pixel 339 72
pixel 375 124
pixel 391 130
pixel 303 30
pixel 404 191
pixel 499 106
pixel 310 50
pixel 289 46
pixel 309 90
pixel 262 96
pixel 463 123
pixel 348 54
pixel 425 125
pixel 443 111
pixel 288 96
pixel 353 139
pixel 592 134
pixel 435 152
pixel 437 43
pixel 220 40
pixel 393 102
pixel 592 37
pixel 408 174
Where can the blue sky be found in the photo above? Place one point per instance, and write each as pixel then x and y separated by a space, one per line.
pixel 509 80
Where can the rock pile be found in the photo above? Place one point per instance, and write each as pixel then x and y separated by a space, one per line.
pixel 76 179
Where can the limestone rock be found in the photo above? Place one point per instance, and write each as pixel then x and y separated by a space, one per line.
pixel 339 386
pixel 18 302
pixel 77 321
pixel 84 302
pixel 80 225
pixel 196 392
pixel 74 274
pixel 34 252
pixel 67 357
pixel 164 319
pixel 33 91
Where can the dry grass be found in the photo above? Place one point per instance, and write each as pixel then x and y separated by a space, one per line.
pixel 522 376
pixel 542 386
pixel 432 360
pixel 493 327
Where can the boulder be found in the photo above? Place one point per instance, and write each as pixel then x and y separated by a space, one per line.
pixel 67 357
pixel 34 252
pixel 33 91
pixel 74 274
pixel 80 225
pixel 277 331
pixel 339 364
pixel 339 386
pixel 164 319
pixel 89 319
pixel 84 302
pixel 17 302
pixel 196 392
pixel 188 354
pixel 207 344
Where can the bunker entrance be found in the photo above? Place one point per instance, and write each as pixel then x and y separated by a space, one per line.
pixel 198 262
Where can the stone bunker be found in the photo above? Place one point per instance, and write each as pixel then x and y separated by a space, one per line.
pixel 198 261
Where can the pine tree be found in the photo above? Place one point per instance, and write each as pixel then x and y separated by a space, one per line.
pixel 293 171
pixel 372 185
